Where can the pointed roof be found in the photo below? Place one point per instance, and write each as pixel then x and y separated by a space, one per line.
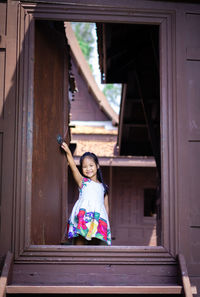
pixel 86 72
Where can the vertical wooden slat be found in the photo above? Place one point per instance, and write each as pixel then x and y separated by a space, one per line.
pixel 121 117
pixel 2 79
pixel 8 62
pixel 3 7
pixel 2 89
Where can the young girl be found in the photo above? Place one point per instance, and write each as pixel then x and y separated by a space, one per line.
pixel 89 218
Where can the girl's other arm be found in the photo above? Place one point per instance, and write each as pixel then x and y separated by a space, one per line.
pixel 106 203
pixel 77 176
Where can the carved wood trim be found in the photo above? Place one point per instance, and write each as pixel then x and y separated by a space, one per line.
pixel 96 13
pixel 96 255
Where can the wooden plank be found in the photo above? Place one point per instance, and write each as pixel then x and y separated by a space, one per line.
pixel 97 254
pixel 94 289
pixel 194 289
pixel 185 278
pixel 121 116
pixel 94 275
pixel 5 276
pixel 2 80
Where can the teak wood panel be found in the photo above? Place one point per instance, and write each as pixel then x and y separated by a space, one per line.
pixel 8 114
pixel 50 113
pixel 193 135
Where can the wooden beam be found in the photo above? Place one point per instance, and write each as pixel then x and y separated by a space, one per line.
pixel 6 273
pixel 124 161
pixel 121 116
pixel 94 289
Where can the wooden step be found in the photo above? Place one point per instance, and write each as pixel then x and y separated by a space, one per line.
pixel 12 289
pixel 7 287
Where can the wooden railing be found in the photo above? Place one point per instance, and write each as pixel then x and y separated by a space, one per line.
pixel 6 274
pixel 188 290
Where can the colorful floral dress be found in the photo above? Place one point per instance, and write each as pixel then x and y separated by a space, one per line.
pixel 89 217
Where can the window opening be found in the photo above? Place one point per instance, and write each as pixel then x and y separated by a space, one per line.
pixel 126 138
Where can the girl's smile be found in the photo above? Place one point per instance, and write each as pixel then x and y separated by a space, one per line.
pixel 89 168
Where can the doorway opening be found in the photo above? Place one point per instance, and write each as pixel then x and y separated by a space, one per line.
pixel 127 144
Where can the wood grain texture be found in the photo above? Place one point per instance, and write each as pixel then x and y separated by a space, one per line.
pixel 94 290
pixel 94 274
pixel 50 113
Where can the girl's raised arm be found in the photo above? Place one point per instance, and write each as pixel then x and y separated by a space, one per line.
pixel 77 176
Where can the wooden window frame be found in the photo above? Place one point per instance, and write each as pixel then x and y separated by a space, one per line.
pixel 24 251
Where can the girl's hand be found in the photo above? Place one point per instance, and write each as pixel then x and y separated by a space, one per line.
pixel 77 176
pixel 65 147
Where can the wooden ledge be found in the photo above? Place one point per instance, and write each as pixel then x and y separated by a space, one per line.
pixel 62 254
pixel 94 289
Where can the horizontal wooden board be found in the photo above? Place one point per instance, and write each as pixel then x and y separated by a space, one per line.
pixel 94 289
pixel 93 275
pixel 96 254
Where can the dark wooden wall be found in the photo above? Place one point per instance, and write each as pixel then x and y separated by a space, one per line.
pixel 129 225
pixel 189 133
pixel 8 112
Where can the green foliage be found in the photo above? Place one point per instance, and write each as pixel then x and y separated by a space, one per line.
pixel 113 92
pixel 83 32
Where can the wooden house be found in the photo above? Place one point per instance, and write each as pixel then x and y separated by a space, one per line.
pixel 150 46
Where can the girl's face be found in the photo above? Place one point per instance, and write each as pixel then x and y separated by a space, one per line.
pixel 89 168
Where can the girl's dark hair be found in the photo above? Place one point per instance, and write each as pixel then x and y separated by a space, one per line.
pixel 99 172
